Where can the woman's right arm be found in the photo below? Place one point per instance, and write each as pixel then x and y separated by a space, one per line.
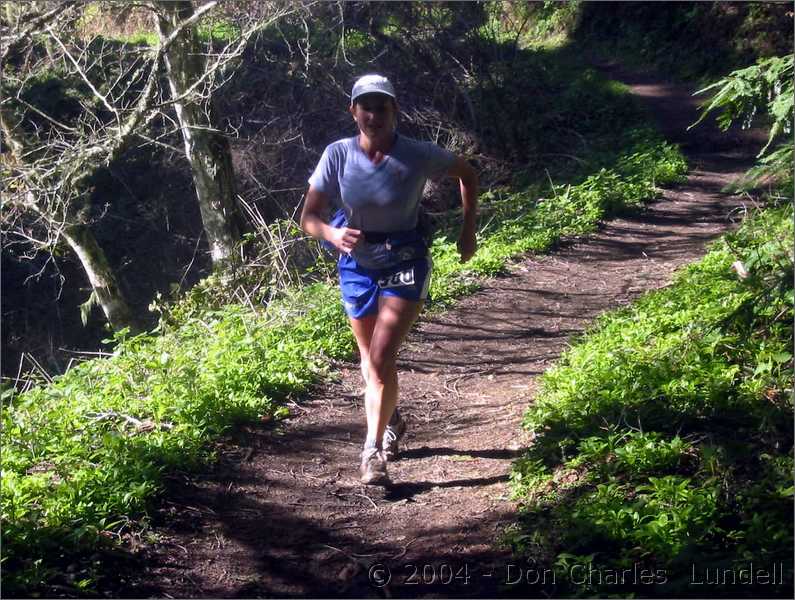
pixel 344 239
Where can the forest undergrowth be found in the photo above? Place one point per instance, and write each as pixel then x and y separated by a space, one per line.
pixel 662 453
pixel 86 454
pixel 663 437
pixel 643 414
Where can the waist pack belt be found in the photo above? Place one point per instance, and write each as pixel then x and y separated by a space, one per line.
pixel 375 237
pixel 381 250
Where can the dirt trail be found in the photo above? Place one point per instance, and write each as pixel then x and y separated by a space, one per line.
pixel 283 513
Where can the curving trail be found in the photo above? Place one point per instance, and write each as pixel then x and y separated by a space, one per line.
pixel 283 513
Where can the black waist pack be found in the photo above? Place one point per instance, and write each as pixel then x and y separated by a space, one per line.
pixel 385 250
pixel 382 250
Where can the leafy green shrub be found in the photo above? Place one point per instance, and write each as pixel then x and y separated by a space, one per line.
pixel 646 453
pixel 554 17
pixel 532 225
pixel 220 30
pixel 676 415
pixel 83 455
pixel 660 518
pixel 630 452
pixel 763 89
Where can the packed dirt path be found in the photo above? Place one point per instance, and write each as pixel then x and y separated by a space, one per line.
pixel 283 513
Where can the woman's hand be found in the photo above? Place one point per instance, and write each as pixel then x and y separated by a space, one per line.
pixel 345 239
pixel 316 204
pixel 467 245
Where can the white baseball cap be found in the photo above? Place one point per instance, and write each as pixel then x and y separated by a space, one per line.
pixel 372 84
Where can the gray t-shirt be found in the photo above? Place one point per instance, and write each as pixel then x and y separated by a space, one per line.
pixel 383 197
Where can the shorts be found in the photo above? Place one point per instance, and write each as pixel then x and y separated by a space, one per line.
pixel 362 287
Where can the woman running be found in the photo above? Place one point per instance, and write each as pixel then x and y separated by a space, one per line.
pixel 375 181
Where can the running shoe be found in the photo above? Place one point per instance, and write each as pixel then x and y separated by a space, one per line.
pixel 374 467
pixel 392 435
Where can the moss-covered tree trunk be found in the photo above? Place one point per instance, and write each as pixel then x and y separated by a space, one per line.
pixel 103 280
pixel 207 149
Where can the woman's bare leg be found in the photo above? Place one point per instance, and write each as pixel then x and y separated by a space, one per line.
pixel 363 332
pixel 394 320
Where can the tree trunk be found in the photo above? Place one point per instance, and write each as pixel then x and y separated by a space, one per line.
pixel 100 274
pixel 207 150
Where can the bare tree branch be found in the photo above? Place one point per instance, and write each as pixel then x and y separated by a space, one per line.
pixel 32 24
pixel 81 72
pixel 115 97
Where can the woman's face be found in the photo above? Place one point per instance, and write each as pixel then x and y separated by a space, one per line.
pixel 375 115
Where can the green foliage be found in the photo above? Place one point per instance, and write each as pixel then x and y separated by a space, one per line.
pixel 531 23
pixel 649 453
pixel 689 40
pixel 88 453
pixel 357 40
pixel 630 452
pixel 551 17
pixel 526 224
pixel 85 454
pixel 145 38
pixel 218 30
pixel 660 517
pixel 763 89
pixel 675 414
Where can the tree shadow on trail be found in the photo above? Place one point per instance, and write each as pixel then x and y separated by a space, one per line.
pixel 406 491
pixel 280 551
pixel 425 451
pixel 278 542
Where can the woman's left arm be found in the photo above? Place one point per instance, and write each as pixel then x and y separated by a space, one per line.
pixel 461 169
